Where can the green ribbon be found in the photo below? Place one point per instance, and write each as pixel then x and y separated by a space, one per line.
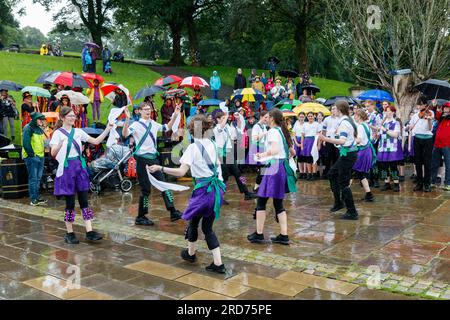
pixel 344 151
pixel 213 183
pixel 69 147
pixel 369 145
pixel 291 178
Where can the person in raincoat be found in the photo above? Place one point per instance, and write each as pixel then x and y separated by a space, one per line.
pixel 96 97
pixel 215 84
pixel 44 50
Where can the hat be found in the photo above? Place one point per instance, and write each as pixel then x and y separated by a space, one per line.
pixel 26 95
pixel 447 105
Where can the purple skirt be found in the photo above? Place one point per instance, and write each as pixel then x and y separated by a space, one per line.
pixel 391 156
pixel 298 150
pixel 254 149
pixel 307 146
pixel 274 182
pixel 74 179
pixel 201 204
pixel 364 162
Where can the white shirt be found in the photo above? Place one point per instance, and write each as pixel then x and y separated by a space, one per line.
pixel 421 125
pixel 330 125
pixel 257 130
pixel 273 136
pixel 138 131
pixel 226 135
pixel 345 130
pixel 311 129
pixel 197 163
pixel 362 135
pixel 79 136
pixel 298 128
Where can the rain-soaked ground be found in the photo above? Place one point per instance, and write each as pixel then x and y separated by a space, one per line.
pixel 399 249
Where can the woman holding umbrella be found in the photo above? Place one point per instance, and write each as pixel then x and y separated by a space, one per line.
pixel 28 107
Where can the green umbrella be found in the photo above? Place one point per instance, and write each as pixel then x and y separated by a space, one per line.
pixel 38 92
pixel 288 104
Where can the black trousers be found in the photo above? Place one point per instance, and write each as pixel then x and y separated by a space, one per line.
pixel 207 225
pixel 340 175
pixel 423 154
pixel 233 170
pixel 146 186
pixel 331 156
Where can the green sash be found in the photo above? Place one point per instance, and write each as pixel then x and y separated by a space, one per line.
pixel 291 178
pixel 213 181
pixel 369 145
pixel 148 132
pixel 344 151
pixel 70 142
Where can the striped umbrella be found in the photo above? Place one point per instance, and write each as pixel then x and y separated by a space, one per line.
pixel 69 79
pixel 168 80
pixel 45 75
pixel 110 88
pixel 248 94
pixel 288 104
pixel 193 82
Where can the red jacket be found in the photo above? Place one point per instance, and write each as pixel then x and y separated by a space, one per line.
pixel 443 132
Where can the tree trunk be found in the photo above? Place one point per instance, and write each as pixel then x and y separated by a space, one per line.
pixel 193 40
pixel 96 35
pixel 405 98
pixel 176 59
pixel 301 47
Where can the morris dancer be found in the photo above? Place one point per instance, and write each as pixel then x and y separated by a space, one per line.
pixel 258 144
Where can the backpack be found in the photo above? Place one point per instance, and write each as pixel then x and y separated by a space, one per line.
pixel 131 168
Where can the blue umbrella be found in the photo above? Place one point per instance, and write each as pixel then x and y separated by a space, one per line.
pixel 376 95
pixel 210 103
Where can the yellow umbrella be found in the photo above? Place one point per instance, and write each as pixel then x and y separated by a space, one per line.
pixel 312 107
pixel 248 94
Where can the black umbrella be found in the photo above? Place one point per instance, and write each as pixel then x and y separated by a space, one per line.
pixel 311 89
pixel 435 89
pixel 274 59
pixel 45 75
pixel 439 102
pixel 10 86
pixel 149 91
pixel 332 101
pixel 288 74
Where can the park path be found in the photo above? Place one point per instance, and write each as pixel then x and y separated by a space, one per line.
pixel 225 91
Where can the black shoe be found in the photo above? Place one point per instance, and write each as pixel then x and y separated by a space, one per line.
pixel 256 238
pixel 41 201
pixel 387 186
pixel 369 197
pixel 418 187
pixel 337 207
pixel 93 236
pixel 427 188
pixel 401 178
pixel 144 221
pixel 350 216
pixel 185 255
pixel 250 196
pixel 396 187
pixel 376 184
pixel 70 238
pixel 225 202
pixel 284 240
pixel 175 215
pixel 217 269
pixel 438 180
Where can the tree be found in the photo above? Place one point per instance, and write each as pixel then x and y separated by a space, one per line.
pixel 33 37
pixel 395 35
pixel 94 15
pixel 6 16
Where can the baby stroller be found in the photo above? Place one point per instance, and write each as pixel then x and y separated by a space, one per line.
pixel 107 172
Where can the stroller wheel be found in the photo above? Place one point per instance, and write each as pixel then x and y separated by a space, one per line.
pixel 126 185
pixel 94 188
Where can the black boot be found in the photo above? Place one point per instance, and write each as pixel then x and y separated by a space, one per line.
pixel 387 186
pixel 185 256
pixel 347 196
pixel 168 201
pixel 175 215
pixel 396 187
pixel 71 238
pixel 93 236
pixel 418 187
pixel 369 197
pixel 338 204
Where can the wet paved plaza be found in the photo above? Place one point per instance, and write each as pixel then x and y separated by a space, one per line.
pixel 399 249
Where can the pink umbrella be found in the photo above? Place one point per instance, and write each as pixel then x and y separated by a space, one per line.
pixel 193 82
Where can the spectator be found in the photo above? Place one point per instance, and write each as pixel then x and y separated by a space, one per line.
pixel 442 145
pixel 272 68
pixel 44 50
pixel 94 58
pixel 28 107
pixel 96 97
pixel 278 92
pixel 263 78
pixel 50 50
pixel 239 81
pixel 215 84
pixel 269 85
pixel 290 89
pixel 304 97
pixel 84 52
pixel 252 77
pixel 33 155
pixel 88 61
pixel 106 57
pixel 306 80
pixel 258 85
pixel 166 113
pixel 197 97
pixel 8 113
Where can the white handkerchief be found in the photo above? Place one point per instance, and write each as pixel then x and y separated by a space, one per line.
pixel 165 186
pixel 242 127
pixel 176 124
pixel 61 158
pixel 315 151
pixel 115 113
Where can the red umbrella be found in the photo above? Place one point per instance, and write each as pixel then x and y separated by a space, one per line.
pixel 92 76
pixel 193 82
pixel 68 79
pixel 109 91
pixel 168 80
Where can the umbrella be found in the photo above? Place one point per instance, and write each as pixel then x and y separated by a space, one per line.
pixel 248 94
pixel 92 77
pixel 312 107
pixel 76 98
pixel 287 104
pixel 288 113
pixel 435 89
pixel 149 91
pixel 36 91
pixel 168 80
pixel 288 74
pixel 439 102
pixel 174 92
pixel 376 95
pixel 321 100
pixel 310 88
pixel 332 101
pixel 210 103
pixel 10 86
pixel 274 59
pixel 92 45
pixel 44 76
pixel 51 116
pixel 68 79
pixel 109 91
pixel 193 82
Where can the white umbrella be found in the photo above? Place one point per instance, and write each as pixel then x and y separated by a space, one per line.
pixel 76 98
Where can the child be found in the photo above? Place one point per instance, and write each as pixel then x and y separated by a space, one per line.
pixel 278 179
pixel 96 97
pixel 298 129
pixel 108 68
pixel 72 177
pixel 309 133
pixel 258 144
pixel 202 158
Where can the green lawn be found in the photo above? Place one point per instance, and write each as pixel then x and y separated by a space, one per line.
pixel 26 68
pixel 329 88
